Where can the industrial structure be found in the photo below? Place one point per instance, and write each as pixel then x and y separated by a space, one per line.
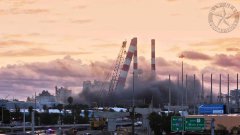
pixel 125 68
pixel 153 66
pixel 132 54
pixel 62 94
pixel 117 78
pixel 117 66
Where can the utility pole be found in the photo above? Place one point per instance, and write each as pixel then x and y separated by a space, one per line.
pixel 2 113
pixel 33 116
pixel 133 108
pixel 178 84
pixel 24 121
pixel 228 96
pixel 202 94
pixel 182 85
pixel 194 90
pixel 220 90
pixel 211 92
pixel 237 94
pixel 169 92
pixel 186 91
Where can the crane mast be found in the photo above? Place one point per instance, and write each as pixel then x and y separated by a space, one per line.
pixel 118 65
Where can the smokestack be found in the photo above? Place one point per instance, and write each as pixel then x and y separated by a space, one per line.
pixel 124 72
pixel 153 67
pixel 135 63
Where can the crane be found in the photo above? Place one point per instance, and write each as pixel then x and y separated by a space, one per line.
pixel 113 75
pixel 118 64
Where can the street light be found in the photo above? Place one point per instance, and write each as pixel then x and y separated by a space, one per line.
pixel 182 56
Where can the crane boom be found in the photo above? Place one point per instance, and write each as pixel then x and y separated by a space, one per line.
pixel 118 65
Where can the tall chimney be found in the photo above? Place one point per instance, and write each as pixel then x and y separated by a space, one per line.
pixel 124 72
pixel 153 67
pixel 135 63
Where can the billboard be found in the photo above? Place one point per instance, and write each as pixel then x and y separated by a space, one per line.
pixel 211 109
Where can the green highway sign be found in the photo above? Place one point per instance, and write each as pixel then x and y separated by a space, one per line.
pixel 194 124
pixel 177 123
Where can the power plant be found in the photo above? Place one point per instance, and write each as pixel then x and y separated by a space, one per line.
pixel 131 53
pixel 199 100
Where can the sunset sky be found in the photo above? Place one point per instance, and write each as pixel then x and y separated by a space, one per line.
pixel 44 43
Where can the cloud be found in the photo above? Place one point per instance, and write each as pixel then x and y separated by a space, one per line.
pixel 17 36
pixel 16 43
pixel 164 67
pixel 38 52
pixel 171 0
pixel 228 61
pixel 175 14
pixel 105 45
pixel 81 21
pixel 233 49
pixel 81 7
pixel 195 55
pixel 205 8
pixel 222 42
pixel 27 78
pixel 16 11
pixel 34 11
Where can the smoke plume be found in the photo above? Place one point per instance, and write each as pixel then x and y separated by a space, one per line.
pixel 146 90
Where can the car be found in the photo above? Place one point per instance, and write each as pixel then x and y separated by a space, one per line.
pixel 50 131
pixel 138 123
pixel 87 134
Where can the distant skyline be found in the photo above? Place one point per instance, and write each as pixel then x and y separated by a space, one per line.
pixel 64 42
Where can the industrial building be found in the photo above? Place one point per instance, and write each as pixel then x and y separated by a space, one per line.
pixel 45 98
pixel 95 85
pixel 62 94
pixel 234 100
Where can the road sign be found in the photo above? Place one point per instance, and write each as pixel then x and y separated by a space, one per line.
pixel 177 123
pixel 211 109
pixel 194 124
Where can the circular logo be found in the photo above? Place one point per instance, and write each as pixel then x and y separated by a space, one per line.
pixel 223 17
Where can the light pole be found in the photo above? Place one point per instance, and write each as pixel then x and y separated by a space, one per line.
pixel 24 120
pixel 182 56
pixel 169 93
pixel 2 113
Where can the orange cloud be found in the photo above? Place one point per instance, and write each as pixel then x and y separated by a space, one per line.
pixel 223 42
pixel 233 49
pixel 15 43
pixel 82 21
pixel 23 11
pixel 38 52
pixel 195 55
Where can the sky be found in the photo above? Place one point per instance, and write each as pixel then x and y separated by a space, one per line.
pixel 64 42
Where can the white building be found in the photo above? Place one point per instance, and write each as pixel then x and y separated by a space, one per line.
pixel 45 98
